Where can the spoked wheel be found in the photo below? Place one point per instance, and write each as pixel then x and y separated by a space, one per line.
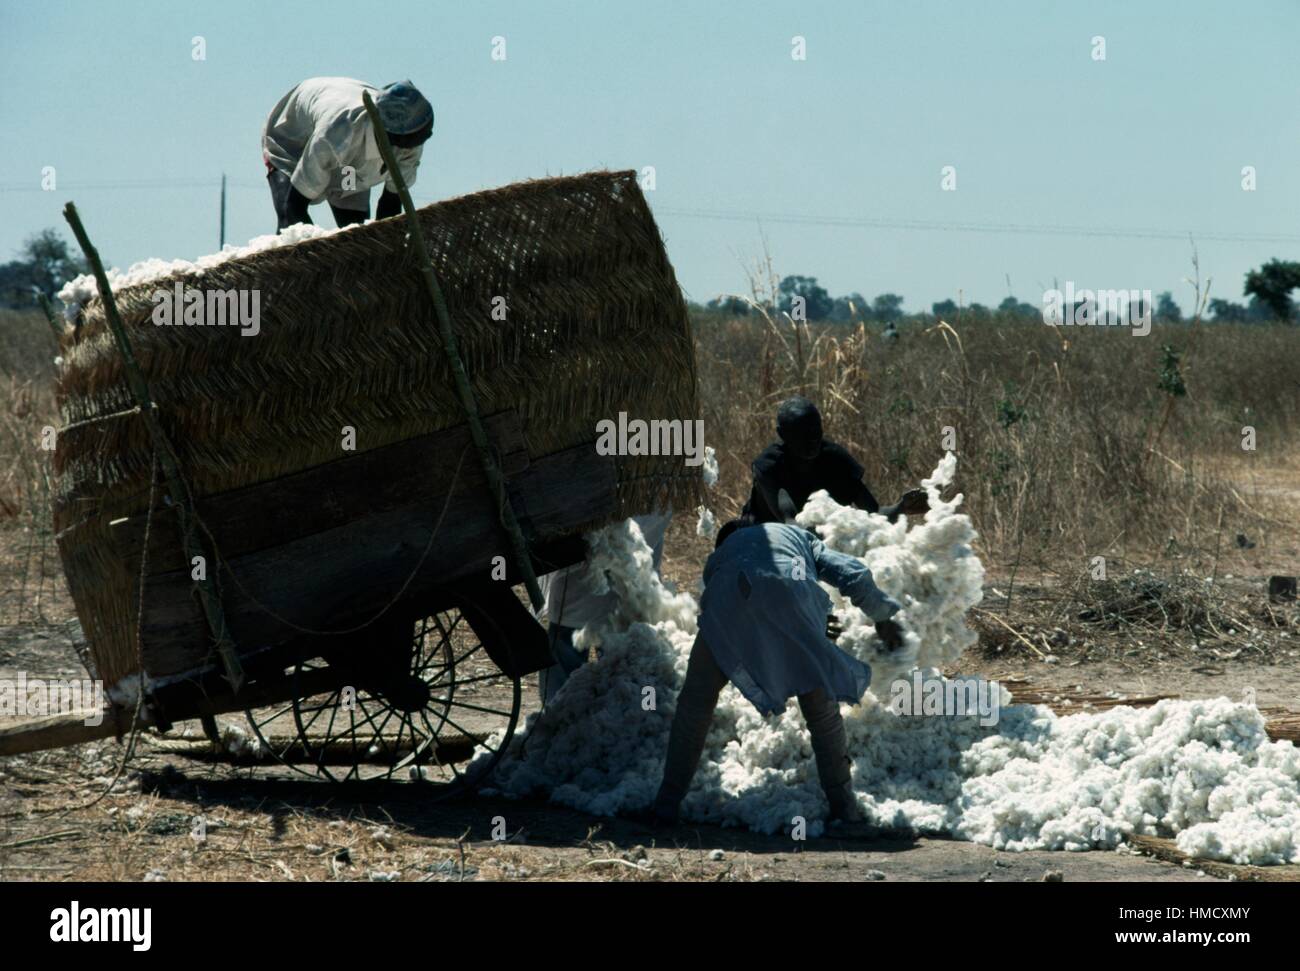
pixel 417 717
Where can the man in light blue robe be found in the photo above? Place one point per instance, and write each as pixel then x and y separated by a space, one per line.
pixel 763 628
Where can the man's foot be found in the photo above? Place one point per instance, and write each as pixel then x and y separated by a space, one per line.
pixel 844 804
pixel 652 816
pixel 862 830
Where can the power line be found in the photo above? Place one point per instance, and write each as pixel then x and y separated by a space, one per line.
pixel 212 183
pixel 114 184
pixel 798 219
pixel 854 222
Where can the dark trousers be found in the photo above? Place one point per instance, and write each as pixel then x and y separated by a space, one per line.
pixel 695 705
pixel 289 211
pixel 567 660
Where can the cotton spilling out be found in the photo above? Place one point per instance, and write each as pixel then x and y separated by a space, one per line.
pixel 710 468
pixel 706 526
pixel 930 569
pixel 1203 771
pixel 80 290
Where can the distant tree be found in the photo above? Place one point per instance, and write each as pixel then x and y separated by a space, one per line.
pixel 1084 311
pixel 45 263
pixel 887 307
pixel 1258 312
pixel 1227 312
pixel 817 302
pixel 729 304
pixel 52 263
pixel 1166 309
pixel 847 309
pixel 1138 310
pixel 1272 283
pixel 944 309
pixel 1011 305
pixel 17 285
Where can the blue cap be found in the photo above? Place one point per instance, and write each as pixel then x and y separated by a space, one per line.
pixel 402 108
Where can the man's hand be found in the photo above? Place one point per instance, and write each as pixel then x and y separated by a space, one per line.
pixel 890 633
pixel 833 628
pixel 914 502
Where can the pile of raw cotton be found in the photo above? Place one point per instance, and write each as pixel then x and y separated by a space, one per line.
pixel 1202 770
pixel 79 290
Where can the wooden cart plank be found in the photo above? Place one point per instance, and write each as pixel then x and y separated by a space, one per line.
pixel 342 575
pixel 325 497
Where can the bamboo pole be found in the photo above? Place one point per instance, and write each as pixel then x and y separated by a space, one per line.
pixel 491 471
pixel 167 459
pixel 51 316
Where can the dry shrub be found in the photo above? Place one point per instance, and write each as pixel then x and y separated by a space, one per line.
pixel 28 565
pixel 1065 438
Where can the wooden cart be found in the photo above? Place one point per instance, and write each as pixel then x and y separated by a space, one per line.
pixel 334 686
pixel 368 595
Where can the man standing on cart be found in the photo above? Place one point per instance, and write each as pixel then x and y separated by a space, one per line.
pixel 319 146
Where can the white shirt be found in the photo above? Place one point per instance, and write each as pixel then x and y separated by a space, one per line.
pixel 573 598
pixel 321 136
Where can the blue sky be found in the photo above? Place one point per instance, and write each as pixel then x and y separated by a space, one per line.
pixel 1151 139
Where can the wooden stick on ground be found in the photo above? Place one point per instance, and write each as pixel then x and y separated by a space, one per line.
pixel 1019 635
pixel 496 482
pixel 47 838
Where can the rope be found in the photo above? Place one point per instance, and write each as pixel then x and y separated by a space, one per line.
pixel 222 562
pixel 133 733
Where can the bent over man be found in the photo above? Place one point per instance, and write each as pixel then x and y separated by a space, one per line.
pixel 763 628
pixel 319 146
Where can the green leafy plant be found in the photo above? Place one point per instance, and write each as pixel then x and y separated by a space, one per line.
pixel 1171 378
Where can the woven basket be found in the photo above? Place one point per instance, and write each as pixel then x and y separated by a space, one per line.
pixel 594 324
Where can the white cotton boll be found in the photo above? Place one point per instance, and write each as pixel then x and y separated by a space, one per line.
pixel 239 743
pixel 930 569
pixel 1203 771
pixel 942 475
pixel 707 525
pixel 710 468
pixel 80 290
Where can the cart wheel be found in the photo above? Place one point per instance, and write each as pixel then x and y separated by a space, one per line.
pixel 422 723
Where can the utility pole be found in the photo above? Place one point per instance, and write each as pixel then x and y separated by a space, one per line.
pixel 222 244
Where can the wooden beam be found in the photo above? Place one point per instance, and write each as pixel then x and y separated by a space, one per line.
pixel 164 455
pixel 57 731
pixel 269 514
pixel 342 575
